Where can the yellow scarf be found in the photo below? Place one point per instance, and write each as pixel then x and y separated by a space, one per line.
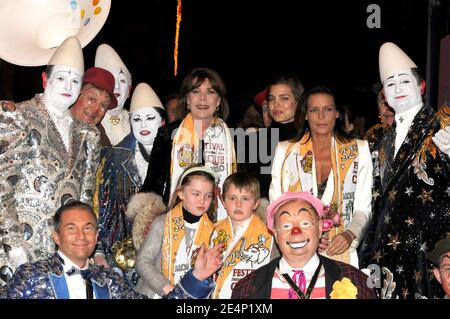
pixel 218 152
pixel 174 234
pixel 249 253
pixel 296 175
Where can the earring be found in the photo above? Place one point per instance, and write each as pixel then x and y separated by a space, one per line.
pixel 188 107
pixel 217 108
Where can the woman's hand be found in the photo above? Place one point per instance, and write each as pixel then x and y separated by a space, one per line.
pixel 340 243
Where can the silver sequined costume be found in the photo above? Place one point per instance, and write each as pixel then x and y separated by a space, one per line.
pixel 38 175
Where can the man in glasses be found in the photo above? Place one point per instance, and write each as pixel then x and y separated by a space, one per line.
pixel 96 97
pixel 300 272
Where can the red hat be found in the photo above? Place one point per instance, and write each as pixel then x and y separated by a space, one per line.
pixel 287 197
pixel 102 79
pixel 260 97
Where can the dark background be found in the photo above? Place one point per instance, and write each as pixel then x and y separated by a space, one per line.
pixel 250 41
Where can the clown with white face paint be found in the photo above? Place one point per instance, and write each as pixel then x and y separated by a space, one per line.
pixel 47 158
pixel 62 87
pixel 115 123
pixel 120 175
pixel 145 123
pixel 412 184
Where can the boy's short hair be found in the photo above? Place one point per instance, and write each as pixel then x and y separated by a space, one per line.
pixel 242 180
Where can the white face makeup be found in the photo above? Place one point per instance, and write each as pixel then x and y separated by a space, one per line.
pixel 402 91
pixel 62 88
pixel 145 123
pixel 121 91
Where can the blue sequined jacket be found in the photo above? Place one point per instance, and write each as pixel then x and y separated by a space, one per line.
pixel 44 279
pixel 117 180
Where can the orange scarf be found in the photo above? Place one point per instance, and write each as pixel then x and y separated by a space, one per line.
pixel 174 234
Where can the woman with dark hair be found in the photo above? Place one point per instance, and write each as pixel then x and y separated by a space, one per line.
pixel 283 95
pixel 325 161
pixel 120 175
pixel 201 137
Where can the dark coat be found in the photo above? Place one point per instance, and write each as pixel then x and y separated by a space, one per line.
pixel 257 154
pixel 411 209
pixel 258 284
pixel 158 172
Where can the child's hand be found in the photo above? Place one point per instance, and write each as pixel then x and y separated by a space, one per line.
pixel 208 261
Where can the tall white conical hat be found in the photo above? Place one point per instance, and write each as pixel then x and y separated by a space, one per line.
pixel 144 96
pixel 392 60
pixel 69 53
pixel 107 58
pixel 31 30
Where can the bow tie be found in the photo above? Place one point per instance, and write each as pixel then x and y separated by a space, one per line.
pixel 85 273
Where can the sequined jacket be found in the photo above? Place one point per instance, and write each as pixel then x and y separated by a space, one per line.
pixel 411 209
pixel 117 180
pixel 44 279
pixel 38 175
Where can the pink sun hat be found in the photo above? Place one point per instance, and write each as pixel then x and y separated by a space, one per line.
pixel 290 196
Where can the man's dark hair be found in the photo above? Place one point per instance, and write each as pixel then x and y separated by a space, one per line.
pixel 71 205
pixel 49 70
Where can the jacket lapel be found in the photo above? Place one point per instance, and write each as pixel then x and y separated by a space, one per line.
pixel 53 135
pixel 99 284
pixel 77 136
pixel 57 278
pixel 406 154
pixel 59 285
pixel 332 274
pixel 101 289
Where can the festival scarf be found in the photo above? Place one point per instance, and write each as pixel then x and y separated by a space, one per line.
pixel 298 174
pixel 174 234
pixel 251 252
pixel 218 152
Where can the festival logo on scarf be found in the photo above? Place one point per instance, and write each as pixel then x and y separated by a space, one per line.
pixel 185 155
pixel 222 238
pixel 307 162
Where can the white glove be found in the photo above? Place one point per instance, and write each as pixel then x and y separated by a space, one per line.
pixel 442 140
pixel 17 256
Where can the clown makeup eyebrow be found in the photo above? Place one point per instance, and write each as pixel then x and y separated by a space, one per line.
pixel 391 77
pixel 285 212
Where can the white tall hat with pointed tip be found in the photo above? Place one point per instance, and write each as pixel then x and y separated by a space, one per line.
pixel 107 58
pixel 69 53
pixel 392 60
pixel 144 96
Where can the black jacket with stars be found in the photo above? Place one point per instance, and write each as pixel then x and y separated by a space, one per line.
pixel 411 207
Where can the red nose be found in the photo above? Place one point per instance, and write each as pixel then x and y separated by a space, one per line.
pixel 296 230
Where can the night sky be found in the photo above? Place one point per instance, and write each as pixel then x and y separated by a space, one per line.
pixel 249 41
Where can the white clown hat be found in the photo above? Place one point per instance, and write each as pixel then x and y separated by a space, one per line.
pixel 69 53
pixel 31 30
pixel 392 60
pixel 144 96
pixel 107 58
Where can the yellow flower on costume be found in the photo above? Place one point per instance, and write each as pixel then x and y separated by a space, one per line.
pixel 344 289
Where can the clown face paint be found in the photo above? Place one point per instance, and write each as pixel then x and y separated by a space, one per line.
pixel 62 88
pixel 121 91
pixel 145 123
pixel 402 91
